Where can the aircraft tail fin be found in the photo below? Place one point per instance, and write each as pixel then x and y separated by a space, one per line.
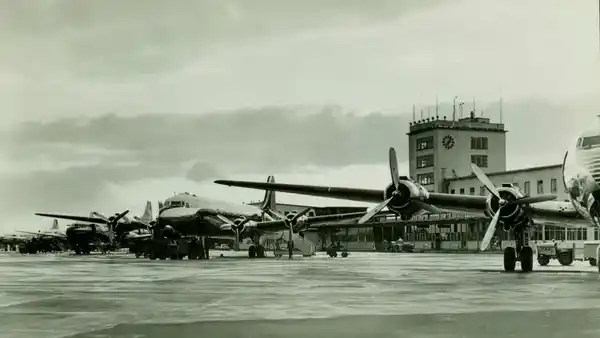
pixel 269 202
pixel 54 225
pixel 147 216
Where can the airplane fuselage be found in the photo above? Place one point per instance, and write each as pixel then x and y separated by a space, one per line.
pixel 581 174
pixel 181 212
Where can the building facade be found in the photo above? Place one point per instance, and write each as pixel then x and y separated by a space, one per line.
pixel 439 148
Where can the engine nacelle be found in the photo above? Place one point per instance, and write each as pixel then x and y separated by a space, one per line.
pixel 402 203
pixel 511 215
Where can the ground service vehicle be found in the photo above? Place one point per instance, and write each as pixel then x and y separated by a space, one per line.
pixel 548 251
pixel 589 251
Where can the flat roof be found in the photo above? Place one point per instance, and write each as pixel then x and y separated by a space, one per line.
pixel 509 172
pixel 477 123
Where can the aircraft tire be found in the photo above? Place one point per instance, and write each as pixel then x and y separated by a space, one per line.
pixel 510 259
pixel 260 251
pixel 527 259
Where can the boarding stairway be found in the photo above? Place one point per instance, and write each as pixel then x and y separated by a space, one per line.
pixel 301 245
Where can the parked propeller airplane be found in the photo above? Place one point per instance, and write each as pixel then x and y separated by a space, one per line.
pixel 507 205
pixel 105 232
pixel 189 215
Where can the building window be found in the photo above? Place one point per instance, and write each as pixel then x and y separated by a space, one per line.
pixel 453 191
pixel 425 161
pixel 479 142
pixel 425 143
pixel 527 188
pixel 540 187
pixel 553 186
pixel 472 191
pixel 482 191
pixel 462 191
pixel 480 160
pixel 425 179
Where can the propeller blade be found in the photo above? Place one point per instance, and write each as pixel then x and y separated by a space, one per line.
pixel 119 216
pixel 487 238
pixel 394 168
pixel 533 199
pixel 369 215
pixel 482 177
pixel 290 241
pixel 427 207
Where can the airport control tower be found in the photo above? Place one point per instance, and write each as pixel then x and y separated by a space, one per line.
pixel 441 147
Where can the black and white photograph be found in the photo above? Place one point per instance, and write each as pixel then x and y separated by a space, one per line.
pixel 287 168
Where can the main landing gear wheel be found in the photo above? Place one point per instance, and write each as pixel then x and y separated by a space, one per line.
pixel 510 259
pixel 526 259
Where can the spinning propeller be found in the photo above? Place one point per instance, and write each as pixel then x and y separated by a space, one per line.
pixel 397 193
pixel 502 203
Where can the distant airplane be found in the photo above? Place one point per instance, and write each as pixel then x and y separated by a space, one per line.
pixel 105 233
pixel 506 205
pixel 42 241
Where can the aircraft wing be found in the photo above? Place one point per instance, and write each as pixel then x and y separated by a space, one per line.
pixel 280 224
pixel 122 226
pixel 44 234
pixel 191 214
pixel 86 219
pixel 354 194
pixel 450 202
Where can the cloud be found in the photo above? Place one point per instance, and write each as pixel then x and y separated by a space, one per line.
pixel 202 171
pixel 270 138
pixel 211 55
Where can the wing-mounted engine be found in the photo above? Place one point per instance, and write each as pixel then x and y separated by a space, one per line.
pixel 512 214
pixel 403 196
pixel 406 198
pixel 507 205
pixel 243 226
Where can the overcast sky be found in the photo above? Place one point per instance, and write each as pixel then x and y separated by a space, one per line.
pixel 108 103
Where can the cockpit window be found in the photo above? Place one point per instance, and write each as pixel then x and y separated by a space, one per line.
pixel 173 204
pixel 586 142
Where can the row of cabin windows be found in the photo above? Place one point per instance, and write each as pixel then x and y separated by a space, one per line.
pixel 526 188
pixel 479 142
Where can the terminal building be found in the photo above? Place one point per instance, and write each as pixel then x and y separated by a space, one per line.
pixel 441 151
